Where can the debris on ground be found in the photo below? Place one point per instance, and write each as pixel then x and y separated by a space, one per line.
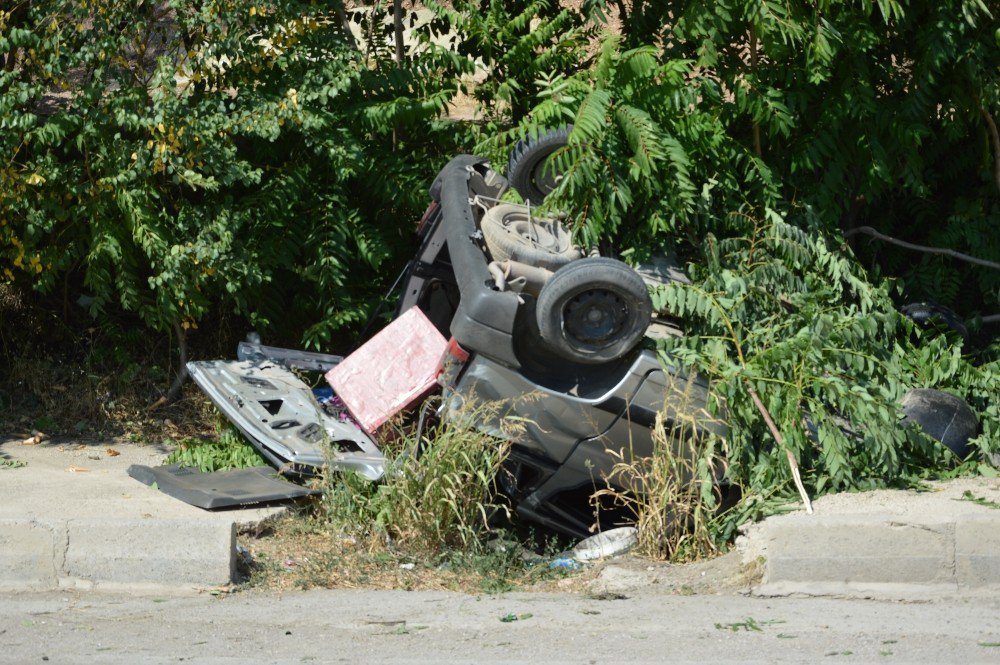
pixel 500 307
pixel 222 489
pixel 35 439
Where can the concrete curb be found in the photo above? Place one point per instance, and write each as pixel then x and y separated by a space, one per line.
pixel 889 543
pixel 100 529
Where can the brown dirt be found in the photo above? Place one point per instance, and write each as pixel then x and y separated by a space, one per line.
pixel 296 552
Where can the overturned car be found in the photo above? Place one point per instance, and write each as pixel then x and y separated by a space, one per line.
pixel 527 313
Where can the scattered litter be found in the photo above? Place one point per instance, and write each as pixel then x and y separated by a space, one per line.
pixel 980 500
pixel 35 439
pixel 12 464
pixel 77 469
pixel 112 452
pixel 565 562
pixel 407 566
pixel 750 625
pixel 246 558
pixel 607 543
pixel 510 617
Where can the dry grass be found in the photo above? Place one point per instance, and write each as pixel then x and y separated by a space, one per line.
pixel 438 492
pixel 300 553
pixel 434 521
pixel 65 375
pixel 673 494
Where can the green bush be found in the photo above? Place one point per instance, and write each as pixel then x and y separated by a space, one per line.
pixel 228 451
pixel 184 156
pixel 872 114
pixel 750 170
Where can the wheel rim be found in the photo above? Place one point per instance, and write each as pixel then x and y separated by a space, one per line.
pixel 543 179
pixel 593 317
pixel 539 234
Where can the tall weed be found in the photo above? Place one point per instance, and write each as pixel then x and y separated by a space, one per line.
pixel 438 493
pixel 673 493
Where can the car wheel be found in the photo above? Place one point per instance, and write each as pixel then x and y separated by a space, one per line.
pixel 942 416
pixel 927 315
pixel 510 233
pixel 528 170
pixel 594 310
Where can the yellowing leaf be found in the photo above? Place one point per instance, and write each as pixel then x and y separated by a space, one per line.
pixel 34 179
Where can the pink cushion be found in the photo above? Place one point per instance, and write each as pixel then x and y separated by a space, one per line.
pixel 391 371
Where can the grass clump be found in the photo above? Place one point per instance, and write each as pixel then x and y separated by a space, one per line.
pixel 435 520
pixel 438 493
pixel 674 493
pixel 228 451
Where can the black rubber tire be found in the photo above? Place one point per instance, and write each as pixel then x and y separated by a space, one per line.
pixel 543 243
pixel 942 416
pixel 594 310
pixel 526 170
pixel 927 314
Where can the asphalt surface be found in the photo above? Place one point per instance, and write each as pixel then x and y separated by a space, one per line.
pixel 431 627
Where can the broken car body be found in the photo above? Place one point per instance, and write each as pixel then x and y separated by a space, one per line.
pixel 580 408
pixel 551 335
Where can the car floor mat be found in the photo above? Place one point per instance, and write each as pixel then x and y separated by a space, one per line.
pixel 220 489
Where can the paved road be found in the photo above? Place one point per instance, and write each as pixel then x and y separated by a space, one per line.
pixel 424 627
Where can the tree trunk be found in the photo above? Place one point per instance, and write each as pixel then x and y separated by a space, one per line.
pixel 182 373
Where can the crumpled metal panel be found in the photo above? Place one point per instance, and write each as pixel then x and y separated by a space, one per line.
pixel 282 419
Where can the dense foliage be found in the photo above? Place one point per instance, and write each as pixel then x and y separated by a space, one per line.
pixel 182 156
pixel 752 139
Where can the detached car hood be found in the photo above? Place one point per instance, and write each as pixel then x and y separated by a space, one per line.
pixel 282 418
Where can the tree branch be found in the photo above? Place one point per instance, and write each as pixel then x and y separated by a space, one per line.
pixel 345 26
pixel 757 147
pixel 792 463
pixel 182 374
pixel 994 141
pixel 397 30
pixel 922 248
